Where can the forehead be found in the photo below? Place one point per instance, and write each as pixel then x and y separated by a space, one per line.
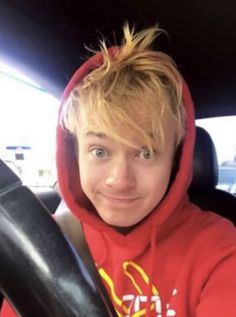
pixel 99 125
pixel 97 136
pixel 130 140
pixel 95 120
pixel 91 126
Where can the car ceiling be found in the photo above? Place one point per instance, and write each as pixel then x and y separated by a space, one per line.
pixel 47 39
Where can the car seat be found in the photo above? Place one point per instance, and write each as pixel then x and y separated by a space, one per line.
pixel 203 191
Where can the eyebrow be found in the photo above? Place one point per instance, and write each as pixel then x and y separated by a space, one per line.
pixel 96 134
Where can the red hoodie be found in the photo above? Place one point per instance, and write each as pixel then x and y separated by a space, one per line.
pixel 179 261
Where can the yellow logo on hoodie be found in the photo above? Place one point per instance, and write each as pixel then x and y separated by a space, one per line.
pixel 138 304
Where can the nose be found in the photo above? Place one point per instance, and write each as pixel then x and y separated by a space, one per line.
pixel 121 174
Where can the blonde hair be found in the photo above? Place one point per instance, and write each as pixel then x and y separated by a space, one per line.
pixel 131 89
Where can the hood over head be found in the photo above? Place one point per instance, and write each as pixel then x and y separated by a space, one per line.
pixel 69 178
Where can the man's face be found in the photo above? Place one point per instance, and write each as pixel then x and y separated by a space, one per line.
pixel 123 183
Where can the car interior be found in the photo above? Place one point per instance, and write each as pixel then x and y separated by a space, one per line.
pixel 47 40
pixel 203 191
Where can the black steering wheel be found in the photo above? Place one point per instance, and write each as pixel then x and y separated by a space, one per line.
pixel 41 274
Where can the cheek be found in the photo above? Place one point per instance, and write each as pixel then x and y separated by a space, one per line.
pixel 157 180
pixel 90 175
pixel 85 178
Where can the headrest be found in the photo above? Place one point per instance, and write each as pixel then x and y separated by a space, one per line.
pixel 205 164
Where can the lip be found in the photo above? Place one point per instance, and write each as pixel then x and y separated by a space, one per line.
pixel 122 200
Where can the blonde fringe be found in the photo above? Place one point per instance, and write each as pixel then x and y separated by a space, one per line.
pixel 136 79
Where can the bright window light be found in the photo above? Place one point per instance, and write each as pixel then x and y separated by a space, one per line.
pixel 28 118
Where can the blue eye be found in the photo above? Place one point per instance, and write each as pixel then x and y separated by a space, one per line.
pixel 147 153
pixel 99 152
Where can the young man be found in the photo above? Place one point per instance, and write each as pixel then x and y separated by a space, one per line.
pixel 124 114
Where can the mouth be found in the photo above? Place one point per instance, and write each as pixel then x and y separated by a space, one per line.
pixel 121 200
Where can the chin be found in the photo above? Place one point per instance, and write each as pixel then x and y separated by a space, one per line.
pixel 121 227
pixel 119 222
pixel 115 221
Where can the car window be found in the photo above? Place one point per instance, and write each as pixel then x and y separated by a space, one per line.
pixel 28 116
pixel 223 133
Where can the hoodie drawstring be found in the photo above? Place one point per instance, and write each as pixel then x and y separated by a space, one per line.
pixel 151 270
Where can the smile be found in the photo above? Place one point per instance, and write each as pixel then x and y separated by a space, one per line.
pixel 121 200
